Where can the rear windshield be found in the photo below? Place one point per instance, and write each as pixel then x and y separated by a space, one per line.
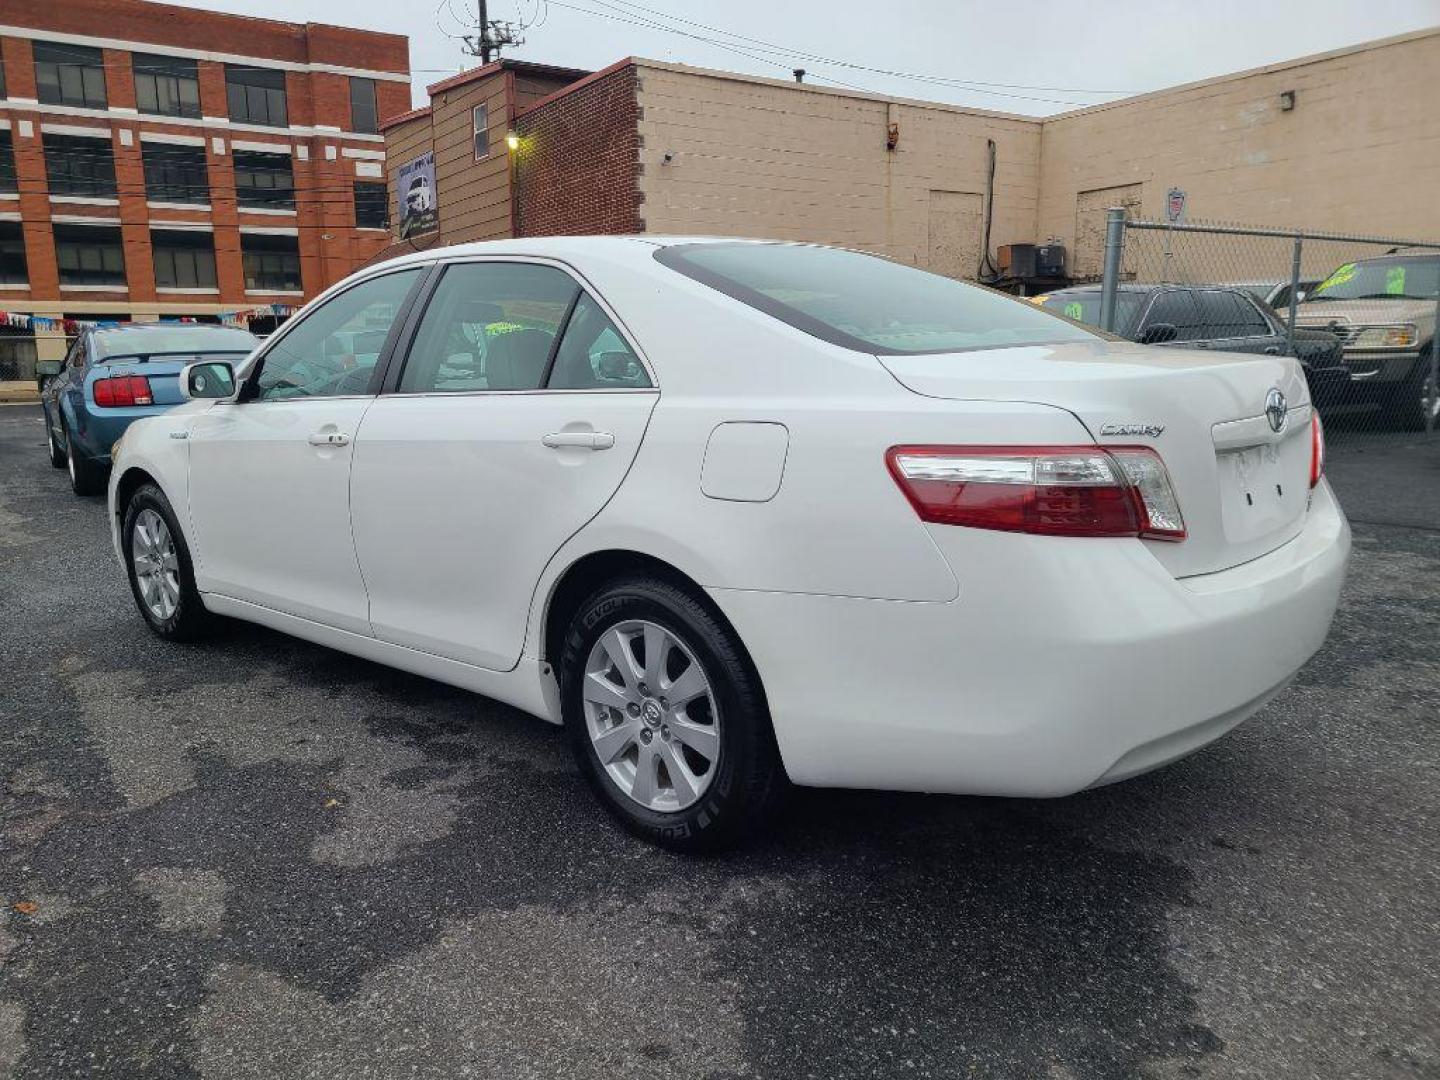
pixel 867 303
pixel 187 340
pixel 1383 279
pixel 1085 307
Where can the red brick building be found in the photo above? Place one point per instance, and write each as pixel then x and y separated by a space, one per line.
pixel 162 162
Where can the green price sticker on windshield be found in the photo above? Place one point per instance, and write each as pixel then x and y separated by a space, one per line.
pixel 1395 281
pixel 1074 311
pixel 1339 277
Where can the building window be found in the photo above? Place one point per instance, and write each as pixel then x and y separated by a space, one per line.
pixel 89 255
pixel 3 94
pixel 13 268
pixel 75 165
pixel 256 95
pixel 8 182
pixel 272 263
pixel 175 173
pixel 364 113
pixel 69 75
pixel 184 258
pixel 480 126
pixel 370 205
pixel 264 180
pixel 166 85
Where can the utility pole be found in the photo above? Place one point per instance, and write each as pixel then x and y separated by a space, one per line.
pixel 493 36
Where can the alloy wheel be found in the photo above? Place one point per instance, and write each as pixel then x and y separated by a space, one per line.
pixel 157 568
pixel 651 716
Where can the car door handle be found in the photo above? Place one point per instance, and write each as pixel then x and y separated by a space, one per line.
pixel 585 440
pixel 1272 350
pixel 329 438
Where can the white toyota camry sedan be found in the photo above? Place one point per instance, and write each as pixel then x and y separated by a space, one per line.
pixel 738 513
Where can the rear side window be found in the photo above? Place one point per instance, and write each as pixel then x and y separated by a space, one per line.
pixel 495 326
pixel 1177 308
pixel 867 303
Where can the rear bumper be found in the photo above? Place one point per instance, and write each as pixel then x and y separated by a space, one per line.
pixel 1064 663
pixel 100 431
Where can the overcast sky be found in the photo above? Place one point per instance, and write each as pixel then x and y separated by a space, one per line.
pixel 1050 56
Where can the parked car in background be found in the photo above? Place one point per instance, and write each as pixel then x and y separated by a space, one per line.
pixel 1274 294
pixel 113 376
pixel 1383 310
pixel 1203 317
pixel 737 511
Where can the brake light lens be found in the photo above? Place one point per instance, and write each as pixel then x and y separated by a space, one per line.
pixel 1047 490
pixel 1317 448
pixel 123 390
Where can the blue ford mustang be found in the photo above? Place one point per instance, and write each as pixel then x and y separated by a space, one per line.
pixel 115 375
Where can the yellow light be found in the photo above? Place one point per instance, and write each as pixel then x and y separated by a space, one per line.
pixel 512 141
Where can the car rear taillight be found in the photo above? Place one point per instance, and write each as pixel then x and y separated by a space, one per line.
pixel 123 390
pixel 1050 490
pixel 1317 448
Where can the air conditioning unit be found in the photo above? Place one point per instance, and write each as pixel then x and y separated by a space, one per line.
pixel 1025 261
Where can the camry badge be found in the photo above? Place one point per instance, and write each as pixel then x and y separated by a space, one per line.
pixel 1151 431
pixel 1276 410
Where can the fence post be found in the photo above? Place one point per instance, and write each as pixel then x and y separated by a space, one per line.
pixel 1430 400
pixel 1114 246
pixel 1294 296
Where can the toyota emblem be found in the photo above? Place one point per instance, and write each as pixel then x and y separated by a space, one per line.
pixel 1276 410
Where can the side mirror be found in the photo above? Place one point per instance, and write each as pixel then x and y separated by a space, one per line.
pixel 1300 295
pixel 208 380
pixel 1159 333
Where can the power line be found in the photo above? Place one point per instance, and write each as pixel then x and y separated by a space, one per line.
pixel 634 19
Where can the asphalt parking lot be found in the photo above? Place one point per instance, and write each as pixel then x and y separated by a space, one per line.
pixel 259 858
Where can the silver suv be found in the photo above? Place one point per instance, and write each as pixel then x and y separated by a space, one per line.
pixel 1383 310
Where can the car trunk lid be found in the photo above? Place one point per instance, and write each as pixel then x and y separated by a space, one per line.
pixel 1243 487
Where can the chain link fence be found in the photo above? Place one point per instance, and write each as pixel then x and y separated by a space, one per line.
pixel 1358 312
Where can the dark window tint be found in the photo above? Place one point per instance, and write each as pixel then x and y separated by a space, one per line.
pixel 1085 307
pixel 69 75
pixel 13 268
pixel 593 355
pixel 1175 307
pixel 8 182
pixel 256 95
pixel 166 85
pixel 75 165
pixel 333 349
pixel 867 303
pixel 489 326
pixel 364 114
pixel 271 263
pixel 184 259
pixel 1228 315
pixel 175 173
pixel 89 255
pixel 263 180
pixel 370 205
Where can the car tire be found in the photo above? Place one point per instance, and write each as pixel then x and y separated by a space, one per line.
pixel 691 802
pixel 162 579
pixel 57 452
pixel 86 478
pixel 1410 407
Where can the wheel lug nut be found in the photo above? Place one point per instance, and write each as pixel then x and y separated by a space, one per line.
pixel 664 704
pixel 644 690
pixel 646 735
pixel 633 709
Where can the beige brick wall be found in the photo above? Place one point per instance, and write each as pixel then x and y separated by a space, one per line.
pixel 1360 152
pixel 756 157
